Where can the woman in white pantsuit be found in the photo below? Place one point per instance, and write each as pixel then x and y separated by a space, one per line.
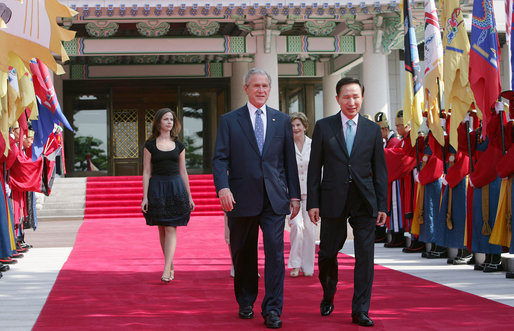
pixel 303 231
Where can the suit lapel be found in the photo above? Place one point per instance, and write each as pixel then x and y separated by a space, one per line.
pixel 271 123
pixel 337 126
pixel 247 128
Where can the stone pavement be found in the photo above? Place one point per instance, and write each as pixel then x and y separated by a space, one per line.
pixel 24 289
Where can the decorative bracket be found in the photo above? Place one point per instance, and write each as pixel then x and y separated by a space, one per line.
pixel 320 28
pixel 102 29
pixel 203 28
pixel 153 28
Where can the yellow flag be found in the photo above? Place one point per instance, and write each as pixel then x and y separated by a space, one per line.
pixel 4 111
pixel 13 97
pixel 457 93
pixel 26 86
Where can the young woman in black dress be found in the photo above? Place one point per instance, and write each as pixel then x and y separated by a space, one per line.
pixel 167 200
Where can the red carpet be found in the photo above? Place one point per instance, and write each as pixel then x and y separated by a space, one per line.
pixel 115 197
pixel 111 281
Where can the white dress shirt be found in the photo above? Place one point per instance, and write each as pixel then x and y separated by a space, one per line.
pixel 345 119
pixel 252 109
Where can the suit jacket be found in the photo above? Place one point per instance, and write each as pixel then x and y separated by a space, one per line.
pixel 238 165
pixel 330 167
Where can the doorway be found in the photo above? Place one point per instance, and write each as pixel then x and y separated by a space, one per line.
pixel 122 113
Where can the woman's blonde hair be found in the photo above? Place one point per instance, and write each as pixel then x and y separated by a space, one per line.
pixel 302 118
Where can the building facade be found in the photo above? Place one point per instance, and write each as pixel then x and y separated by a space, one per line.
pixel 130 58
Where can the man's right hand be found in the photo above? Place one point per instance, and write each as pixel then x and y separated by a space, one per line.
pixel 226 199
pixel 314 215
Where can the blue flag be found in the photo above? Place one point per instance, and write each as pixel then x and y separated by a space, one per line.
pixel 44 126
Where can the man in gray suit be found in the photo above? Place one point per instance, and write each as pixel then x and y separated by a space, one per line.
pixel 347 181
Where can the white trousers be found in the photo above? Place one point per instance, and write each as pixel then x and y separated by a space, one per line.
pixel 303 241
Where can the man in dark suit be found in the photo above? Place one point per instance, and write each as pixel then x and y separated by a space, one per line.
pixel 347 180
pixel 256 178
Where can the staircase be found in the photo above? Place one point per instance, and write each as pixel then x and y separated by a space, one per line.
pixel 121 196
pixel 65 202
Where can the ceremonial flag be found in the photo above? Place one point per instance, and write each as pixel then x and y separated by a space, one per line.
pixel 31 30
pixel 509 12
pixel 43 127
pixel 26 86
pixel 433 70
pixel 44 88
pixel 413 99
pixel 4 110
pixel 457 93
pixel 484 58
pixel 48 106
pixel 5 15
pixel 13 104
pixel 22 122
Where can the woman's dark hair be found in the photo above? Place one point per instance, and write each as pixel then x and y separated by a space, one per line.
pixel 156 130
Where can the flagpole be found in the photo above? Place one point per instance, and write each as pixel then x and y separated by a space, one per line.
pixel 468 138
pixel 417 153
pixel 445 169
pixel 499 105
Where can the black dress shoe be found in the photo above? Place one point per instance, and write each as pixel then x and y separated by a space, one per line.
pixel 362 319
pixel 22 249
pixel 479 267
pixel 459 261
pixel 272 320
pixel 395 244
pixel 245 312
pixel 437 255
pixel 493 267
pixel 462 260
pixel 416 246
pixel 7 260
pixel 326 307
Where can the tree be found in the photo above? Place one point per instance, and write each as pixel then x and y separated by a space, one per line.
pixel 85 145
pixel 193 158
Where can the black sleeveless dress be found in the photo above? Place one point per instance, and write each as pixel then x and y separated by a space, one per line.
pixel 168 201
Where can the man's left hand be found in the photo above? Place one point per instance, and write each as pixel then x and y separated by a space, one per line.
pixel 294 206
pixel 381 218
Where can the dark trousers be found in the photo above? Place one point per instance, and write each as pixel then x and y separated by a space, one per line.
pixel 333 237
pixel 244 233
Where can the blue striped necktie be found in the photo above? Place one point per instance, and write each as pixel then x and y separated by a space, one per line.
pixel 259 129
